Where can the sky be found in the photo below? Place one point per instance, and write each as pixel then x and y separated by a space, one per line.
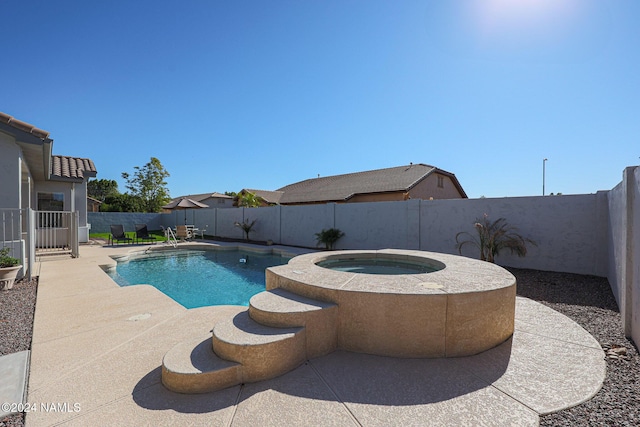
pixel 261 94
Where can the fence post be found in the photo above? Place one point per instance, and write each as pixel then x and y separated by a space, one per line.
pixel 73 234
pixel 31 239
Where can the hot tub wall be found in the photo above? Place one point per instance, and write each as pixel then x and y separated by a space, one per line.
pixel 392 325
pixel 478 321
pixel 417 323
pixel 425 325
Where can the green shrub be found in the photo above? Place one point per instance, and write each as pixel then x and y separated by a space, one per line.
pixel 6 260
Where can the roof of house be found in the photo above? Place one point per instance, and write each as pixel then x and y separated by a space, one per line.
pixel 271 197
pixel 203 196
pixel 343 187
pixel 36 147
pixel 23 126
pixel 71 168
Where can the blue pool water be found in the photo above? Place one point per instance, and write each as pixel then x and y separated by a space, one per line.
pixel 200 278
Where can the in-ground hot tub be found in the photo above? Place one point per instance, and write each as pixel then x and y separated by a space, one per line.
pixel 406 303
pixel 379 265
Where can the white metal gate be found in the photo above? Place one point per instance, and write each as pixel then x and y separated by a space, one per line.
pixel 56 233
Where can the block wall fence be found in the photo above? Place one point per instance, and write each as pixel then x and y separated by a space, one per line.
pixel 596 234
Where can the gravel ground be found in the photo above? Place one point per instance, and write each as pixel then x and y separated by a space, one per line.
pixel 17 306
pixel 588 300
pixel 585 299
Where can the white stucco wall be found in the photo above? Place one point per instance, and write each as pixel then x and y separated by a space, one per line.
pixel 633 256
pixel 300 223
pixel 375 225
pixel 616 239
pixel 624 246
pixel 10 171
pixel 569 230
pixel 225 220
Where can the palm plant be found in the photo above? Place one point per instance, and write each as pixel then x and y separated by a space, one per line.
pixel 492 238
pixel 329 237
pixel 246 227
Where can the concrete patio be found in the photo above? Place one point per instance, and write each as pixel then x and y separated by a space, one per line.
pixel 97 350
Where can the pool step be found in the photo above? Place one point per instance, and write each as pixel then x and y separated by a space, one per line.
pixel 193 367
pixel 264 351
pixel 280 308
pixel 278 332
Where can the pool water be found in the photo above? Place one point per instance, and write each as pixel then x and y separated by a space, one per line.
pixel 200 278
pixel 375 266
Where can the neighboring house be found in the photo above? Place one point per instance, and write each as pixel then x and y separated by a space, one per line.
pixel 32 177
pixel 213 200
pixel 93 205
pixel 269 198
pixel 414 181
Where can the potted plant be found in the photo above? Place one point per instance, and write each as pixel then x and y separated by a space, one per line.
pixel 329 237
pixel 9 267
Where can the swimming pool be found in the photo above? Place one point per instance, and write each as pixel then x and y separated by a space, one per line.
pixel 200 278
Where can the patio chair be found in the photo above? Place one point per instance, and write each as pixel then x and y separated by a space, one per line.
pixel 142 234
pixel 198 231
pixel 183 232
pixel 118 235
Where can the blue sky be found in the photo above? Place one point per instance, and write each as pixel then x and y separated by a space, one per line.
pixel 256 94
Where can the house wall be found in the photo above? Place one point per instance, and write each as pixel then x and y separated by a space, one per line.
pixel 93 206
pixel 80 191
pixel 12 221
pixel 76 190
pixel 378 197
pixel 27 185
pixel 217 202
pixel 429 188
pixel 10 172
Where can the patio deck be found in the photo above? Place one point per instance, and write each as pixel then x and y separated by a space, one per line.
pixel 97 350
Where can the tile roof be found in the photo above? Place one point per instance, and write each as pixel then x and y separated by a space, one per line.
pixel 343 187
pixel 203 196
pixel 23 126
pixel 65 167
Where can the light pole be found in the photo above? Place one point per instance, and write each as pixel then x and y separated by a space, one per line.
pixel 544 163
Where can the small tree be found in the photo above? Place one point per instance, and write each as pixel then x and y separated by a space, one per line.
pixel 246 227
pixel 247 199
pixel 492 238
pixel 148 183
pixel 329 237
pixel 100 189
pixel 121 203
